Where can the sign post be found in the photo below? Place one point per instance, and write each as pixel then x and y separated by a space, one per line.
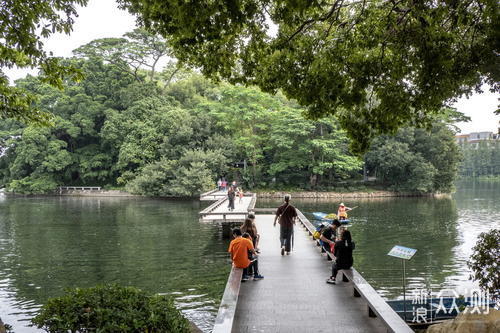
pixel 404 253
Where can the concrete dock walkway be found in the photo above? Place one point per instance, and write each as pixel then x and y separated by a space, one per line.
pixel 293 296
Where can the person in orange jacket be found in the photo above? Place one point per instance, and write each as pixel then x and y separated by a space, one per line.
pixel 342 211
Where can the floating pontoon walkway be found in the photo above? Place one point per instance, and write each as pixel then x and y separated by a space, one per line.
pixel 293 296
pixel 218 212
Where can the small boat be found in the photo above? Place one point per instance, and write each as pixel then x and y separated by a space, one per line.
pixel 447 310
pixel 322 217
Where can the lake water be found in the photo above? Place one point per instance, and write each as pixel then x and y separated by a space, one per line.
pixel 51 243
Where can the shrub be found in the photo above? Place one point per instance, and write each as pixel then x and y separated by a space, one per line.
pixel 110 308
pixel 485 260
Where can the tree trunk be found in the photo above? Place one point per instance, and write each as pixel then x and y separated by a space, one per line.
pixel 313 179
pixel 153 69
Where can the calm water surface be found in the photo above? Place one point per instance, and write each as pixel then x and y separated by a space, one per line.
pixel 51 243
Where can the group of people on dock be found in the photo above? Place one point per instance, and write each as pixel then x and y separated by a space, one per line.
pixel 335 239
pixel 222 184
pixel 244 249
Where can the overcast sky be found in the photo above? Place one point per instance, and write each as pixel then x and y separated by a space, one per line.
pixel 102 18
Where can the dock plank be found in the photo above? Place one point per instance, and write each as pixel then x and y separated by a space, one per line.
pixel 222 214
pixel 293 296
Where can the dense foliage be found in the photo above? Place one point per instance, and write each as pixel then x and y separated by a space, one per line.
pixel 416 160
pixel 23 26
pixel 377 65
pixel 110 309
pixel 173 133
pixel 485 260
pixel 481 159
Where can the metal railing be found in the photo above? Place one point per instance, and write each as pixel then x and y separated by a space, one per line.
pixel 377 307
pixel 79 188
pixel 206 194
pixel 227 308
pixel 226 215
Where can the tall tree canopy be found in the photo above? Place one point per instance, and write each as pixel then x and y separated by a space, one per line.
pixel 23 24
pixel 376 64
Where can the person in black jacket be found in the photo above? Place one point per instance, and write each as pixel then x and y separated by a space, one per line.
pixel 343 255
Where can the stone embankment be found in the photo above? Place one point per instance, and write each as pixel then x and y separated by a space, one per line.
pixel 470 322
pixel 93 193
pixel 342 195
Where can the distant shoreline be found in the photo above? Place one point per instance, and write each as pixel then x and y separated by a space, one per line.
pixel 260 194
pixel 354 194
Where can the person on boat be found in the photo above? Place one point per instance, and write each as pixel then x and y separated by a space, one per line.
pixel 342 211
pixel 329 235
pixel 343 255
pixel 239 249
pixel 285 216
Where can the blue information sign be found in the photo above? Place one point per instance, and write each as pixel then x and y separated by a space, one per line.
pixel 402 252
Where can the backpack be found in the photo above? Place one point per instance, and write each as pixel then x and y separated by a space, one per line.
pixel 319 230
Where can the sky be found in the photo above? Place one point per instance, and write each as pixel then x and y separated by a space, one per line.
pixel 102 18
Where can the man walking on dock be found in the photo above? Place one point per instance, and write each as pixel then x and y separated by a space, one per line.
pixel 286 215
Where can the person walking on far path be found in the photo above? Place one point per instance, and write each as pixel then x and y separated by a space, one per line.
pixel 286 215
pixel 231 194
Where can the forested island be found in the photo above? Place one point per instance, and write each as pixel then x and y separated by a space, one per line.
pixel 172 132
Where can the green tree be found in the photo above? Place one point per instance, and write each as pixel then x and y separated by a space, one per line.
pixel 377 65
pixel 23 25
pixel 415 159
pixel 138 50
pixel 306 149
pixel 480 158
pixel 172 178
pixel 110 309
pixel 246 114
pixel 484 261
pixel 40 160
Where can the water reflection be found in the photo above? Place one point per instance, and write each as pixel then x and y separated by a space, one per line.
pixel 444 230
pixel 48 244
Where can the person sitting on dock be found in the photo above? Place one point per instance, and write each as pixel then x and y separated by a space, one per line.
pixel 286 214
pixel 239 249
pixel 329 234
pixel 253 269
pixel 250 228
pixel 343 254
pixel 251 216
pixel 342 211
